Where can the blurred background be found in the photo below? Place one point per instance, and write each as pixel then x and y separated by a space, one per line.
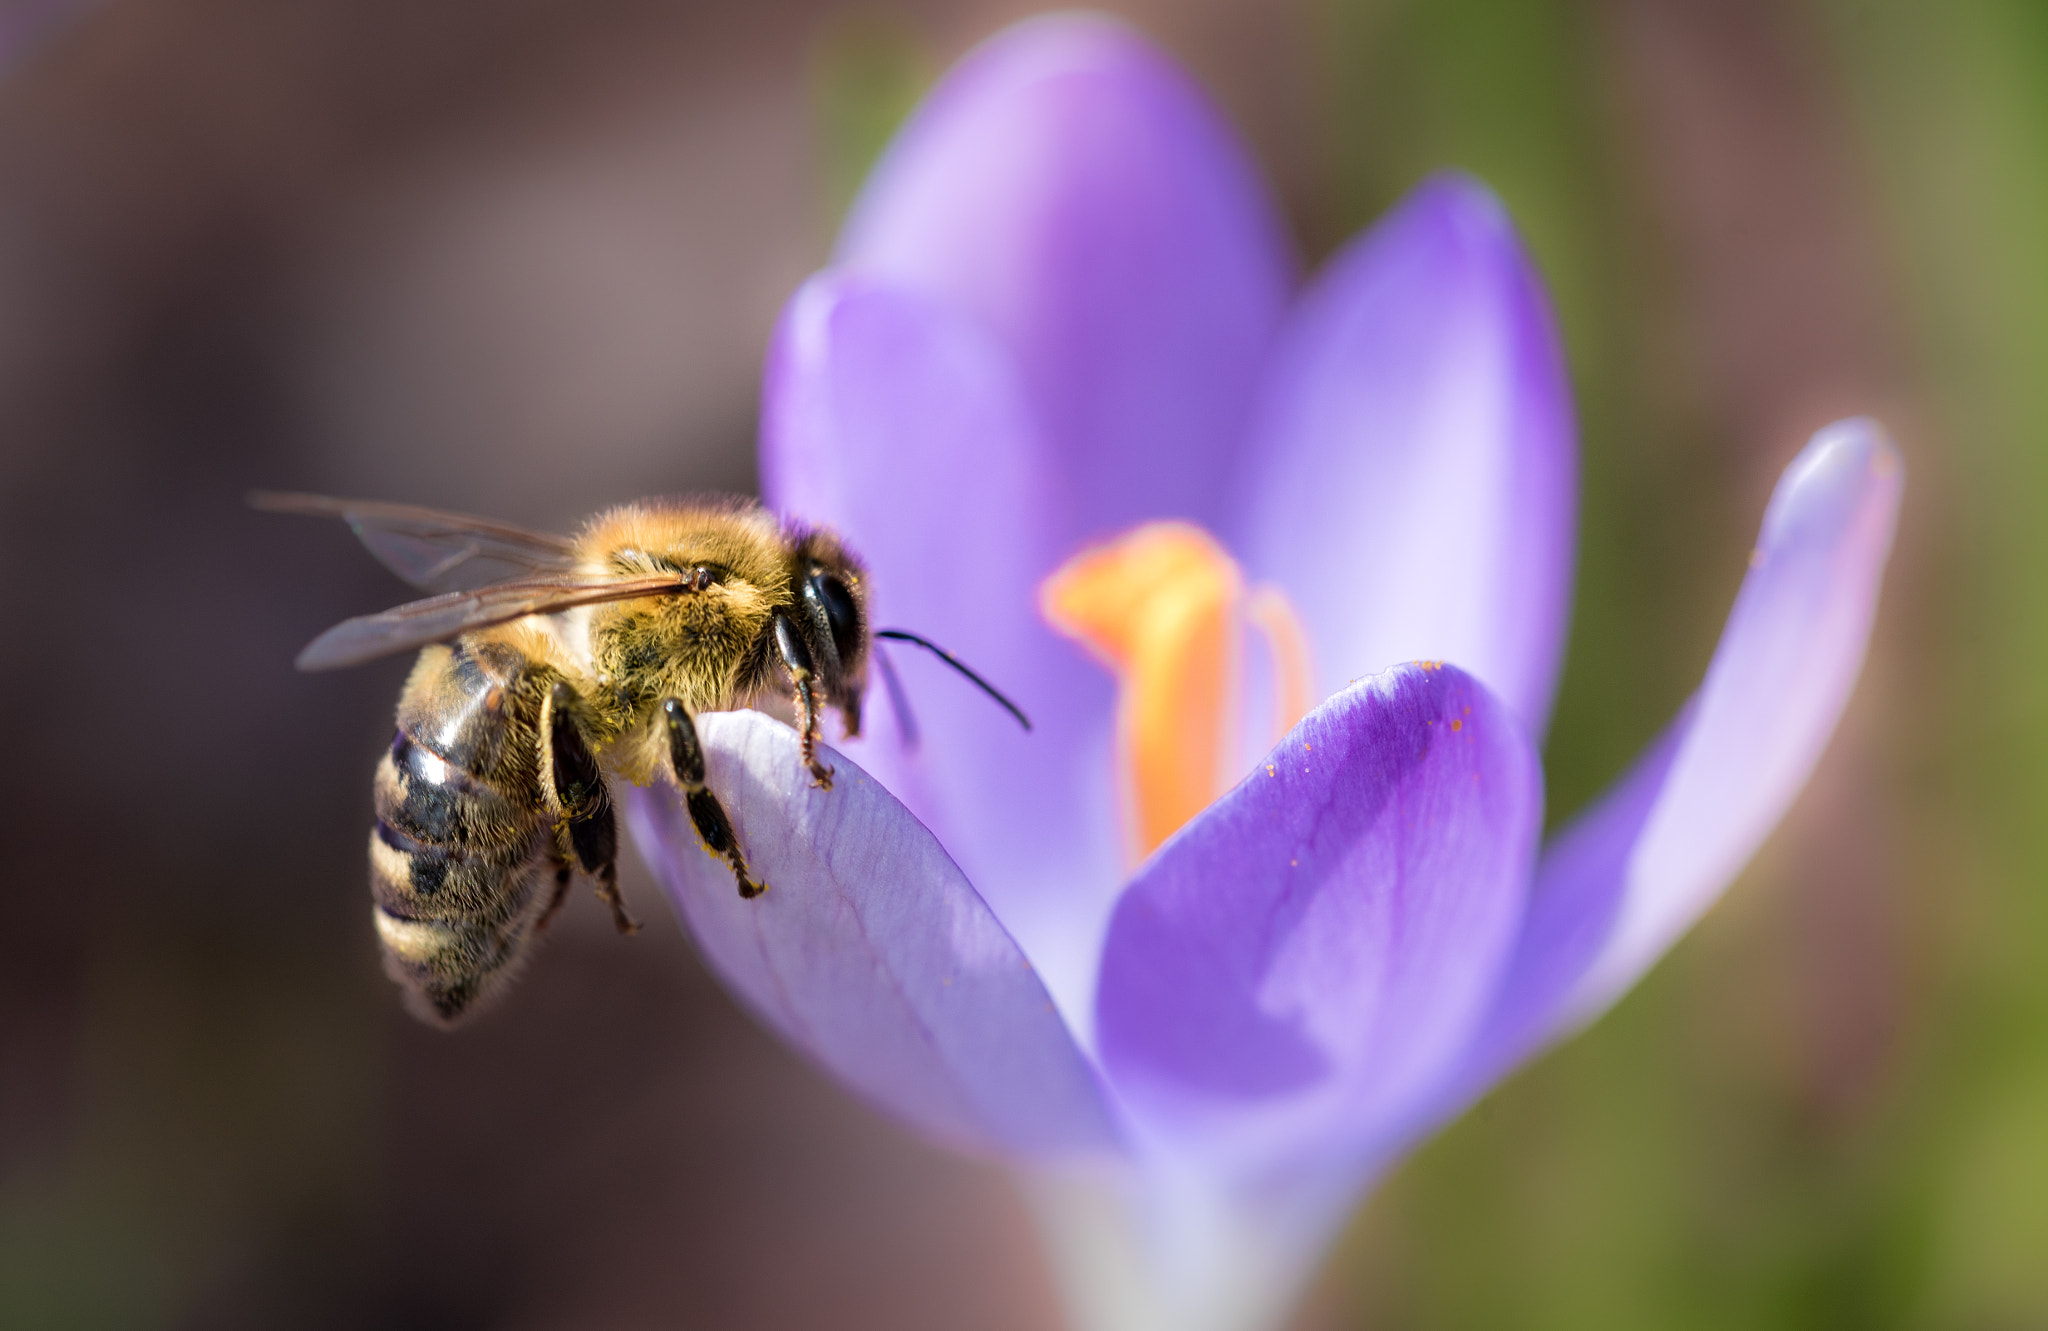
pixel 521 257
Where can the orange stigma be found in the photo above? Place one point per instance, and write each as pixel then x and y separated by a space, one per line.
pixel 1163 606
pixel 1273 615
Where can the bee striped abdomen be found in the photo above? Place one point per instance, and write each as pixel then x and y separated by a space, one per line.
pixel 459 855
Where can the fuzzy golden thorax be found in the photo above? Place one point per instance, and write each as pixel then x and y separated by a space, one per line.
pixel 706 647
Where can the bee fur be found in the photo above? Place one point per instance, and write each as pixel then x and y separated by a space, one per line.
pixel 495 789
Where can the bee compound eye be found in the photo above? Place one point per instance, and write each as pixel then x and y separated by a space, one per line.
pixel 841 614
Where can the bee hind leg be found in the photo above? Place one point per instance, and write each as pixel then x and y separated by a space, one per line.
pixel 686 761
pixel 585 804
pixel 563 872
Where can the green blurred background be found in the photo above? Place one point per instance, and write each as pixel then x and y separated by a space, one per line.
pixel 521 257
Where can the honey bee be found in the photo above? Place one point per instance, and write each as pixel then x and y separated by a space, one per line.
pixel 547 663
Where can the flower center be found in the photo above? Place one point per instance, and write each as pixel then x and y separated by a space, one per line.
pixel 1164 607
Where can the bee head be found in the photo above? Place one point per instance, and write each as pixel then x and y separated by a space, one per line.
pixel 829 588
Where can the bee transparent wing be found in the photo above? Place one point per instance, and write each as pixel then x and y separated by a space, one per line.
pixel 437 618
pixel 432 550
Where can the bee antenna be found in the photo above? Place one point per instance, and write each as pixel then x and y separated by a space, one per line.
pixel 901 635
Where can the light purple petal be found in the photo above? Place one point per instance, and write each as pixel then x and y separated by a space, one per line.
pixel 1620 885
pixel 1300 961
pixel 1412 478
pixel 870 951
pixel 893 419
pixel 1068 188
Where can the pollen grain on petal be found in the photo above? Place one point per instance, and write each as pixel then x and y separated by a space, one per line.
pixel 1160 606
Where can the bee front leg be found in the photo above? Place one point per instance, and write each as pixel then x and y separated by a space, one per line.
pixel 584 802
pixel 796 658
pixel 686 761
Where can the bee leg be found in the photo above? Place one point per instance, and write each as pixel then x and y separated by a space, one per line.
pixel 584 803
pixel 807 702
pixel 561 894
pixel 796 658
pixel 686 760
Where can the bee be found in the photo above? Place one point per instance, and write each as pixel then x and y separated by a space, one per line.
pixel 547 665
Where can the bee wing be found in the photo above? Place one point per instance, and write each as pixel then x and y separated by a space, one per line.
pixel 432 550
pixel 417 623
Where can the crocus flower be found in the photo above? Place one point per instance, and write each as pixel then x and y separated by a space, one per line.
pixel 1256 905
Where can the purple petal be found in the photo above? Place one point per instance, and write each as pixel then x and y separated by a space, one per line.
pixel 1070 190
pixel 1412 480
pixel 1620 885
pixel 893 419
pixel 870 951
pixel 1292 968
